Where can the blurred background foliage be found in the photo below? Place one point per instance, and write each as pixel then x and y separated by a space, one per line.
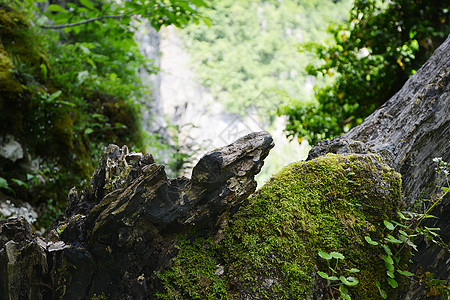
pixel 247 55
pixel 369 58
pixel 68 91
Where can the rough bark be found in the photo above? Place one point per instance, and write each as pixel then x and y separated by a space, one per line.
pixel 124 225
pixel 409 130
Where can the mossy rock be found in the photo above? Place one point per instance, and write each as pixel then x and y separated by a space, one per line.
pixel 269 249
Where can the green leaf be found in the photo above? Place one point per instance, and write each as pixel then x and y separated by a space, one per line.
pixel 405 273
pixel 352 270
pixel 323 274
pixel 333 278
pixel 388 259
pixel 66 103
pixel 389 225
pixel 54 96
pixel 44 71
pixel 370 241
pixel 88 4
pixel 337 255
pixel 20 182
pixel 383 294
pixel 392 282
pixel 389 267
pixel 392 239
pixel 55 8
pixel 411 244
pixel 350 281
pixel 88 131
pixel 325 255
pixel 3 183
pixel 387 249
pixel 344 293
pixel 415 45
pixel 390 273
pixel 403 216
pixel 403 233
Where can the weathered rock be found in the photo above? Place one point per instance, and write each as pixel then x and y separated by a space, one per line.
pixel 408 131
pixel 122 228
pixel 23 261
pixel 10 149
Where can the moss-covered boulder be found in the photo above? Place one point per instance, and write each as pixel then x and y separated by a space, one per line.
pixel 270 247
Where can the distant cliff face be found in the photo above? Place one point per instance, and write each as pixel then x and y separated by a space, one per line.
pixel 188 117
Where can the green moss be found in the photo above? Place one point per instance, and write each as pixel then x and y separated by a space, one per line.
pixel 270 247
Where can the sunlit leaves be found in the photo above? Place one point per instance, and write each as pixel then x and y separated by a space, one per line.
pixel 87 3
pixel 55 8
pixel 368 60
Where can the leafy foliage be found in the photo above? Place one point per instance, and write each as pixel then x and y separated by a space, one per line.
pixel 68 93
pixel 370 58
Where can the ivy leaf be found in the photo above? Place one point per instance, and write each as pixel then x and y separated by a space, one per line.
pixel 405 273
pixel 392 282
pixel 388 259
pixel 337 255
pixel 333 278
pixel 392 239
pixel 322 274
pixel 325 255
pixel 389 225
pixel 370 241
pixel 412 245
pixel 350 281
pixel 403 216
pixel 387 249
pixel 352 270
pixel 403 233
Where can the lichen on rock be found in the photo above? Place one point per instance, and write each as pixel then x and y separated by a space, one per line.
pixel 270 248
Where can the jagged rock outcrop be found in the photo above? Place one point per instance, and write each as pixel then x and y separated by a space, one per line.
pixel 123 227
pixel 409 130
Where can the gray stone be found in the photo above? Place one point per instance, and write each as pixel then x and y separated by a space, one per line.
pixel 10 149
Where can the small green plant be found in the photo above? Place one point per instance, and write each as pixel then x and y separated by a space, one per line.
pixel 4 185
pixel 336 280
pixel 397 235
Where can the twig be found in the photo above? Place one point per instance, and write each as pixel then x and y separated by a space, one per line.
pixel 86 21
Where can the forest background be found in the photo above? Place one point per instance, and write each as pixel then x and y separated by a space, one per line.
pixel 70 76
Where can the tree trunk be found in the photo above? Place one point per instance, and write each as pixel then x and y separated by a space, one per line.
pixel 409 130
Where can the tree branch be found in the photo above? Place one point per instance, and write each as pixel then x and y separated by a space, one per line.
pixel 86 21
